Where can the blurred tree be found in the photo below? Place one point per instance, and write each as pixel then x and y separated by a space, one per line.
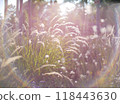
pixel 55 1
pixel 68 0
pixel 113 1
pixel 17 7
pixel 6 6
pixel 5 13
pixel 114 8
pixel 97 2
pixel 21 14
pixel 104 3
pixel 50 1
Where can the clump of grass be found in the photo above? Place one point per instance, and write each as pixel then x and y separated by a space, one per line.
pixel 64 52
pixel 8 70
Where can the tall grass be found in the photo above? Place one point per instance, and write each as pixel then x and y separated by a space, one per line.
pixel 6 71
pixel 55 52
pixel 58 56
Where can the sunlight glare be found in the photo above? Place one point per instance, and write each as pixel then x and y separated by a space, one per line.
pixel 66 8
pixel 88 9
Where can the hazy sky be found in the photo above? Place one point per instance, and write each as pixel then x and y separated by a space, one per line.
pixel 9 2
pixel 14 3
pixel 1 7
